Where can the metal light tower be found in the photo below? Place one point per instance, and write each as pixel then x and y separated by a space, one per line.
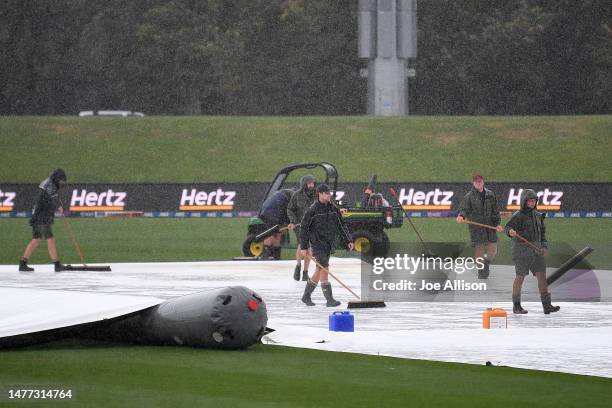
pixel 387 38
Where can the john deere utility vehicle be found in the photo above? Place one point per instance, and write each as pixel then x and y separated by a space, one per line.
pixel 366 220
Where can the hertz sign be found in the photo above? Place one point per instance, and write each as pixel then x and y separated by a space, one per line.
pixel 109 200
pixel 547 200
pixel 435 199
pixel 217 200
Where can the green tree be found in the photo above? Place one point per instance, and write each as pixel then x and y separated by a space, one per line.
pixel 184 56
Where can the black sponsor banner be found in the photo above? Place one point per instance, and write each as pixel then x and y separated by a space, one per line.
pixel 247 197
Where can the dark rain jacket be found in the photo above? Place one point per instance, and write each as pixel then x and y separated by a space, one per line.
pixel 320 226
pixel 274 209
pixel 47 201
pixel 482 208
pixel 300 201
pixel 528 223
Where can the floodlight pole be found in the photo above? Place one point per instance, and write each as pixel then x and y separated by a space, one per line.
pixel 387 39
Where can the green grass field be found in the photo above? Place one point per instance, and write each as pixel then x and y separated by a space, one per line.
pixel 181 239
pixel 187 149
pixel 271 376
pixel 176 239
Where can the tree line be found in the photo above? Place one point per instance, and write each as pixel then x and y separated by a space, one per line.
pixel 298 57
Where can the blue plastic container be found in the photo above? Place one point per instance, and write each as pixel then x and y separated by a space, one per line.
pixel 342 321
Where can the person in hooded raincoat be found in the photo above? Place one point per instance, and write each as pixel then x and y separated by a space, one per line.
pixel 529 224
pixel 42 219
pixel 274 213
pixel 299 203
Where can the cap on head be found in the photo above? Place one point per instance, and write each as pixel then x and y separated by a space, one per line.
pixel 477 177
pixel 323 188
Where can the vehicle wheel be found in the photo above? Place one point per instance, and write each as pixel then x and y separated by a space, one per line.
pixel 364 242
pixel 250 247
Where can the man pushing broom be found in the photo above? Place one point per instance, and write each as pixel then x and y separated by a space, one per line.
pixel 480 205
pixel 43 213
pixel 319 226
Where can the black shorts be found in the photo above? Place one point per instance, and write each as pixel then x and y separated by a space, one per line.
pixel 322 258
pixel 42 232
pixel 268 223
pixel 532 264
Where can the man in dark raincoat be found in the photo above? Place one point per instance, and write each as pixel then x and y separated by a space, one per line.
pixel 480 205
pixel 529 224
pixel 42 219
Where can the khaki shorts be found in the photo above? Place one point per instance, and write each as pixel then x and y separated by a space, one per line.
pixel 531 264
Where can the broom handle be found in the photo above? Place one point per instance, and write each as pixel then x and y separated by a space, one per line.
pixel 280 229
pixel 73 237
pixel 333 276
pixel 493 228
pixel 480 225
pixel 394 194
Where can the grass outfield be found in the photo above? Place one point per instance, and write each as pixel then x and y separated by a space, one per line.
pixel 268 376
pixel 179 239
pixel 216 149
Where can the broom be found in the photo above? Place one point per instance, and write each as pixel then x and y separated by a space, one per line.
pixel 525 240
pixel 569 264
pixel 270 231
pixel 359 304
pixel 83 267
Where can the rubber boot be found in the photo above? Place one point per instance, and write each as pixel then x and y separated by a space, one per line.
pixel 516 305
pixel 327 292
pixel 296 271
pixel 58 267
pixel 310 287
pixel 23 266
pixel 484 272
pixel 304 276
pixel 276 253
pixel 546 305
pixel 267 253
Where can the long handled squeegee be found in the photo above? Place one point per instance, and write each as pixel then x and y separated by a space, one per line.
pixel 359 304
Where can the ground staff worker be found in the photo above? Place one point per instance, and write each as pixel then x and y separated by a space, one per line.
pixel 529 224
pixel 480 205
pixel 43 215
pixel 299 203
pixel 321 222
pixel 274 212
